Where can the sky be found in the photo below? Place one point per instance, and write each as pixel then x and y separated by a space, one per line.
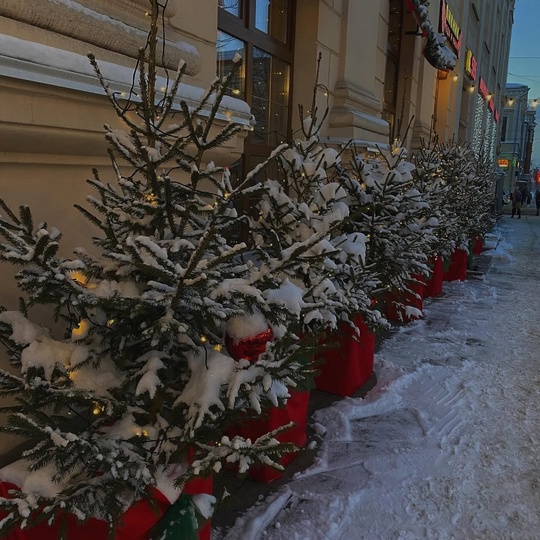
pixel 446 446
pixel 524 64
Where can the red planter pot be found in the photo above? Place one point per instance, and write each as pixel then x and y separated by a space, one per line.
pixel 477 245
pixel 434 284
pixel 295 410
pixel 458 266
pixel 397 313
pixel 137 522
pixel 347 368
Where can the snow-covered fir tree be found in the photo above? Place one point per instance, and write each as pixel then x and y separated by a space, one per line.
pixel 466 209
pixel 394 215
pixel 141 379
pixel 428 179
pixel 309 204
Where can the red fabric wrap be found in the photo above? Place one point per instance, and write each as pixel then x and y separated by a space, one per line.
pixel 249 348
pixel 435 282
pixel 477 245
pixel 458 266
pixel 137 522
pixel 295 410
pixel 347 368
pixel 397 313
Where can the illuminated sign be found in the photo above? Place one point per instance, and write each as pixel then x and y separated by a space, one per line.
pixel 491 106
pixel 450 28
pixel 482 88
pixel 503 163
pixel 470 64
pixel 496 115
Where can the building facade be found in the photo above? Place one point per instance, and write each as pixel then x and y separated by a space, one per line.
pixel 376 75
pixel 517 136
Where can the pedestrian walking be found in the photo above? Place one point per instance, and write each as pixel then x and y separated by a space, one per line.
pixel 517 199
pixel 529 199
pixel 537 200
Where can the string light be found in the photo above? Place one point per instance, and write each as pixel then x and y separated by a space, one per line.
pixel 218 347
pixel 97 408
pixel 81 330
pixel 78 277
pixel 150 198
pixel 204 339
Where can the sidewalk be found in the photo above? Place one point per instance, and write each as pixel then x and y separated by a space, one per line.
pixel 245 493
pixel 445 446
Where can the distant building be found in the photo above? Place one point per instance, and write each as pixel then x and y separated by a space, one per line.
pixel 517 135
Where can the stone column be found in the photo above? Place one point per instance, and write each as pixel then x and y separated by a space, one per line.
pixel 358 92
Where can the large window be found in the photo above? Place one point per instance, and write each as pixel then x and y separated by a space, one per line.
pixel 391 78
pixel 261 31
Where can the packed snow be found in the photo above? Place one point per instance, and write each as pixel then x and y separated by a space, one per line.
pixel 445 445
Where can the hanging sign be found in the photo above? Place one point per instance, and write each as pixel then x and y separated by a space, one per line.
pixel 503 163
pixel 450 28
pixel 470 64
pixel 482 88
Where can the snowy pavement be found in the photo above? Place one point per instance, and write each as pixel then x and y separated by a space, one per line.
pixel 446 446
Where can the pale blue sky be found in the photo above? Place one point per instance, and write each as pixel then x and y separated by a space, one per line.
pixel 524 65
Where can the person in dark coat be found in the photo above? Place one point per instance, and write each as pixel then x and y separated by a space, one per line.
pixel 537 200
pixel 517 199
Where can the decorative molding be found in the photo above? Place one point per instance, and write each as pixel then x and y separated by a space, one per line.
pixel 356 113
pixel 72 19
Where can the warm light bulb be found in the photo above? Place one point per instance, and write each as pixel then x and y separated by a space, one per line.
pixel 110 322
pixel 150 198
pixel 78 277
pixel 455 77
pixel 204 339
pixel 81 330
pixel 226 195
pixel 471 88
pixel 96 410
pixel 218 347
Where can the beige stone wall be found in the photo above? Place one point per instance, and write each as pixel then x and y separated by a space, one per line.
pixel 351 36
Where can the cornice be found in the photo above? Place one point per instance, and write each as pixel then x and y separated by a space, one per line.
pixel 84 23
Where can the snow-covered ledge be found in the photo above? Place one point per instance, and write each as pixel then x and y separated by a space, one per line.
pixel 28 61
pixel 71 18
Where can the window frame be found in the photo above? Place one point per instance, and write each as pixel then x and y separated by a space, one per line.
pixel 243 28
